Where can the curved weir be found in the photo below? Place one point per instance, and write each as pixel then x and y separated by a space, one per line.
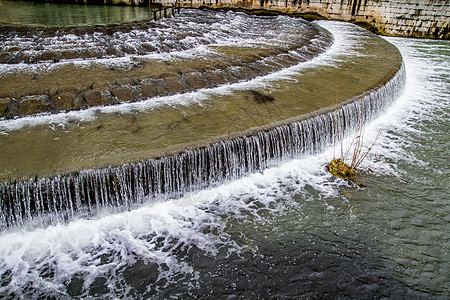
pixel 210 136
pixel 131 184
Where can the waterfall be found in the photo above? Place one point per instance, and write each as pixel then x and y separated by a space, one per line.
pixel 118 188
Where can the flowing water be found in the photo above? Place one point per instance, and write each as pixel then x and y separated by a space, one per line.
pixel 287 230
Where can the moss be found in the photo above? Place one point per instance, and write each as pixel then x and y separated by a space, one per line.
pixel 369 26
pixel 309 16
pixel 339 168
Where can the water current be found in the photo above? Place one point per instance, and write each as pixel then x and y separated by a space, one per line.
pixel 288 231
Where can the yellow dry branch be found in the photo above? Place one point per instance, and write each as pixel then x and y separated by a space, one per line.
pixel 339 168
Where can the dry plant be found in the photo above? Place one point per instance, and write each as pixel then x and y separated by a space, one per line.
pixel 347 165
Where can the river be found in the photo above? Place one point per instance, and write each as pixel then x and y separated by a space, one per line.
pixel 290 231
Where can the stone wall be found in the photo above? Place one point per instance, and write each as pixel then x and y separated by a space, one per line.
pixel 412 18
pixel 102 2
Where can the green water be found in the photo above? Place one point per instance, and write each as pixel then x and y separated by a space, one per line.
pixel 51 14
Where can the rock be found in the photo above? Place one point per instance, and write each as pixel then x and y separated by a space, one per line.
pixel 249 72
pixel 50 55
pixel 6 95
pixel 88 53
pixel 148 47
pixel 195 80
pixel 141 275
pixel 122 93
pixel 250 59
pixel 215 78
pixel 47 105
pixel 30 105
pixel 4 57
pixel 63 101
pixel 209 68
pixel 168 75
pixel 93 98
pixel 66 89
pixel 149 90
pixel 282 60
pixel 173 85
pixel 3 106
pixel 291 59
pixel 52 92
pixel 233 75
pixel 263 68
pixel 75 286
pixel 110 51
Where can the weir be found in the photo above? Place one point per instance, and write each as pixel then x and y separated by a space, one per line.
pixel 121 188
pixel 288 89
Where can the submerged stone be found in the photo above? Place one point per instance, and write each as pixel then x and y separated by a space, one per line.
pixel 195 80
pixel 261 98
pixel 64 101
pixel 215 78
pixel 123 94
pixel 173 85
pixel 30 105
pixel 93 98
pixel 149 90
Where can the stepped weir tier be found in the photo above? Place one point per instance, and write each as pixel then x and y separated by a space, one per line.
pixel 162 108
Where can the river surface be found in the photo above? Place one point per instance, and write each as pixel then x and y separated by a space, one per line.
pixel 291 231
pixel 28 13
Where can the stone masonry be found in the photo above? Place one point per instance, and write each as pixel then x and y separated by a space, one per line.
pixel 410 18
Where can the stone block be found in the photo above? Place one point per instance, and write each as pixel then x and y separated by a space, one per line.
pixel 195 80
pixel 122 93
pixel 63 101
pixel 93 98
pixel 173 85
pixel 30 105
pixel 149 90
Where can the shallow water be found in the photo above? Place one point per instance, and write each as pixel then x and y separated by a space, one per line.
pixel 292 231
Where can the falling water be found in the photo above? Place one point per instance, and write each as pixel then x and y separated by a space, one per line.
pixel 123 187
